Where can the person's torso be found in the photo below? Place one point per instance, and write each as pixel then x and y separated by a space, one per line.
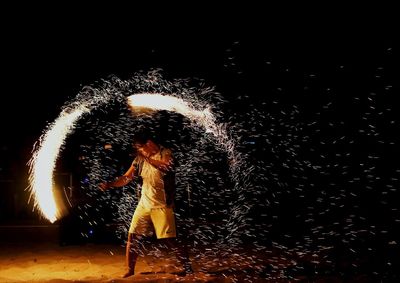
pixel 156 185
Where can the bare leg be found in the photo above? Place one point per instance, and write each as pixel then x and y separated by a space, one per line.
pixel 131 254
pixel 181 253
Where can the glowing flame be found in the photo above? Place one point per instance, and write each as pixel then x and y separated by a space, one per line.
pixel 142 102
pixel 44 159
pixel 205 118
pixel 138 102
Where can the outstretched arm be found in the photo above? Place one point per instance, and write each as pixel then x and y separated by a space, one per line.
pixel 120 181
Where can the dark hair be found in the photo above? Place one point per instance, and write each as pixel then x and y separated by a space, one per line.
pixel 141 137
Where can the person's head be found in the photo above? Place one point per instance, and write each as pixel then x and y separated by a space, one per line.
pixel 144 141
pixel 139 141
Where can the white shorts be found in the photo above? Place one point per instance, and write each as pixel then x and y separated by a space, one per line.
pixel 160 220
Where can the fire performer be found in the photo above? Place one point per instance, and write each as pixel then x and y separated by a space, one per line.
pixel 155 210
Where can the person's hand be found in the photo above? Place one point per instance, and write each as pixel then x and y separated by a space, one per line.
pixel 142 152
pixel 103 186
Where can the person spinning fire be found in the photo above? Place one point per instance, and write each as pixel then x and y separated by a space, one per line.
pixel 155 210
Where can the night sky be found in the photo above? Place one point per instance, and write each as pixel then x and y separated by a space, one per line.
pixel 330 66
pixel 48 56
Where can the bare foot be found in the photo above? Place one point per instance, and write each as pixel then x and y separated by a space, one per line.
pixel 129 273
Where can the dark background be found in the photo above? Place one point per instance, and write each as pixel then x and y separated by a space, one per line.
pixel 49 53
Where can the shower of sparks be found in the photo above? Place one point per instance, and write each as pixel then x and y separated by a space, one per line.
pixel 221 138
pixel 43 162
pixel 204 118
pixel 293 179
pixel 45 154
pixel 44 158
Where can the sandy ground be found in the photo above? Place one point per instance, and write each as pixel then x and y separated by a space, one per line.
pixel 50 262
pixel 102 263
